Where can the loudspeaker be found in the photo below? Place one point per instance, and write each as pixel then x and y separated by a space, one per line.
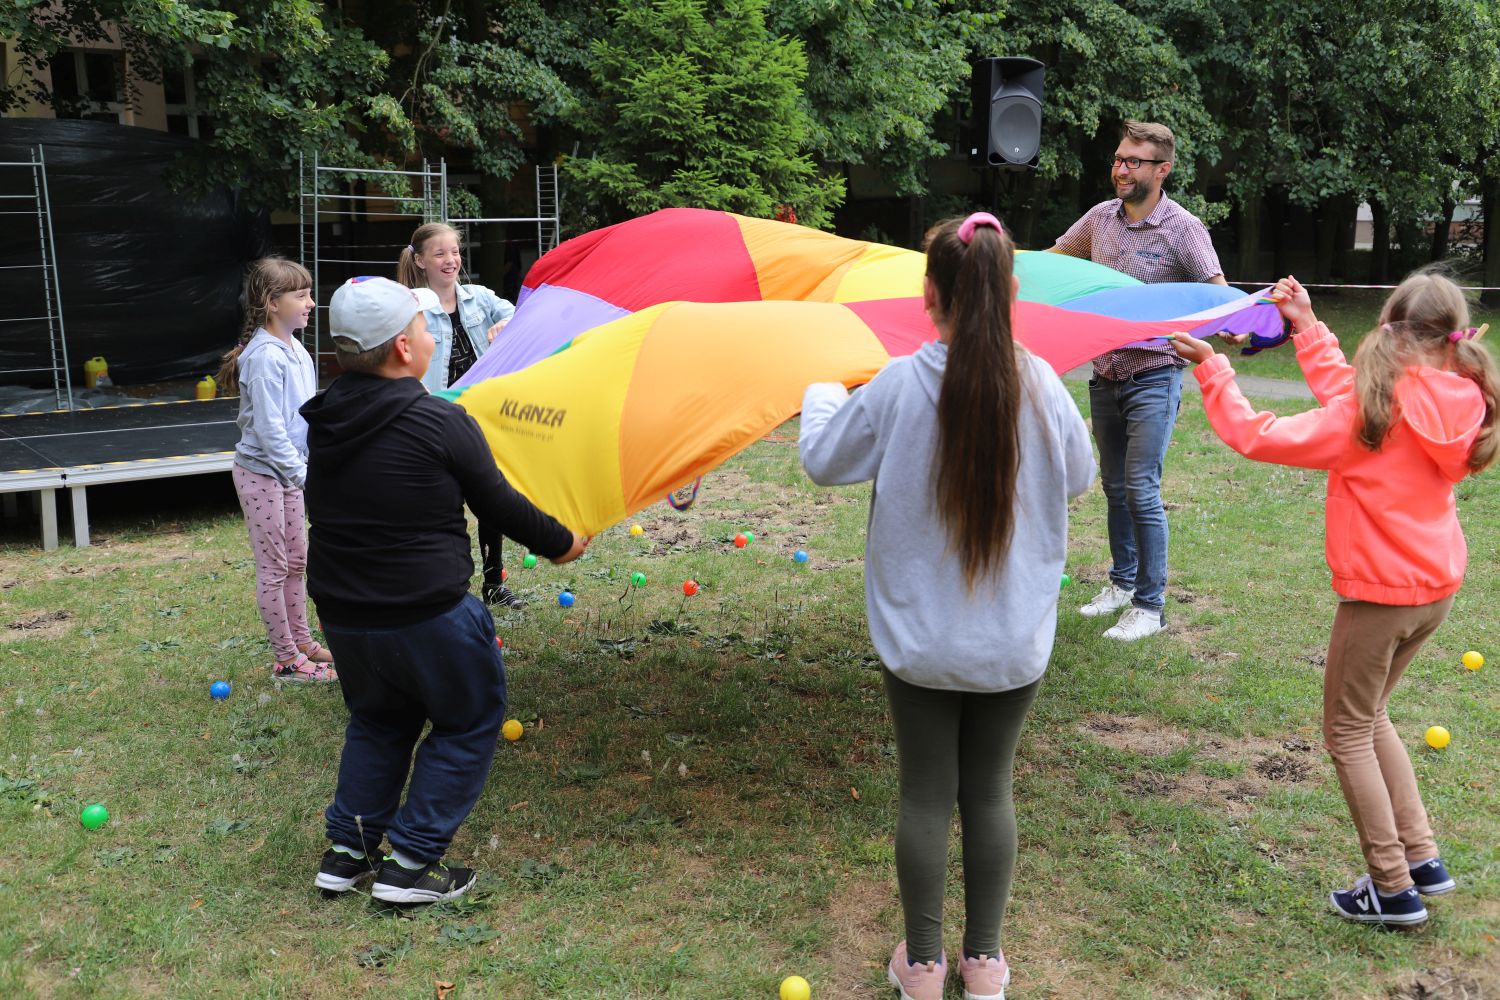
pixel 1007 92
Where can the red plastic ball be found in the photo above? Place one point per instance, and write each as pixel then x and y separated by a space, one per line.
pixel 690 587
pixel 740 541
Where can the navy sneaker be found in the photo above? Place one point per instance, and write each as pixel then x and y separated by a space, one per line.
pixel 1431 878
pixel 339 871
pixel 1368 905
pixel 398 884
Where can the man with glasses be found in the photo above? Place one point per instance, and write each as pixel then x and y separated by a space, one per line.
pixel 1135 391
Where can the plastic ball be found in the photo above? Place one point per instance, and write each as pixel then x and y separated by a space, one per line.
pixel 1066 581
pixel 512 730
pixel 740 541
pixel 636 531
pixel 499 642
pixel 690 587
pixel 1473 659
pixel 529 562
pixel 638 579
pixel 218 690
pixel 93 816
pixel 800 556
pixel 749 537
pixel 565 599
pixel 504 575
pixel 795 988
pixel 1438 737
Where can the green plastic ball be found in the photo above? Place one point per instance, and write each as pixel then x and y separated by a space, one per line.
pixel 529 562
pixel 93 816
pixel 638 579
pixel 1066 580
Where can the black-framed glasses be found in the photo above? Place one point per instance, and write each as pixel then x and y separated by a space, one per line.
pixel 1133 162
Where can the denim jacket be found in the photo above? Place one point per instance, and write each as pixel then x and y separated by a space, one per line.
pixel 478 310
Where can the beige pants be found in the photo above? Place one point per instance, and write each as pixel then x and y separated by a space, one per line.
pixel 1370 648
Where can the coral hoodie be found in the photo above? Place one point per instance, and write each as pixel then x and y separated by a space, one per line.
pixel 1392 527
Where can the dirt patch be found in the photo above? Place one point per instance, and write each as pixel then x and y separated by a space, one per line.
pixel 1448 984
pixel 44 624
pixel 1267 762
pixel 861 941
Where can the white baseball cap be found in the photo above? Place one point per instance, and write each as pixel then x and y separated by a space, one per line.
pixel 370 311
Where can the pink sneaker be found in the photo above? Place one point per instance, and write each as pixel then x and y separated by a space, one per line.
pixel 917 982
pixel 985 978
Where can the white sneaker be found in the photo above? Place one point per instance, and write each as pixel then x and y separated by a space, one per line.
pixel 1137 623
pixel 1107 601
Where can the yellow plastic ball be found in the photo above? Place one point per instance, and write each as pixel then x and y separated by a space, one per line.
pixel 512 730
pixel 795 988
pixel 636 531
pixel 1438 737
pixel 1473 659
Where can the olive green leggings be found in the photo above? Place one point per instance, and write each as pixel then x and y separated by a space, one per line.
pixel 958 747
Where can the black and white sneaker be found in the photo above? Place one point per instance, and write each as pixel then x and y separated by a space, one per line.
pixel 339 871
pixel 502 597
pixel 398 884
pixel 1368 905
pixel 1431 878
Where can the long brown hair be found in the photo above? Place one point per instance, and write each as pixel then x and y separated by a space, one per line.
pixel 979 405
pixel 267 279
pixel 407 271
pixel 1415 325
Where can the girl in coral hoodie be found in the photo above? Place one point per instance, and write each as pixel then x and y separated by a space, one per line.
pixel 1413 415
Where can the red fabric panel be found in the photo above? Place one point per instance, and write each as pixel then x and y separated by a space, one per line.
pixel 686 254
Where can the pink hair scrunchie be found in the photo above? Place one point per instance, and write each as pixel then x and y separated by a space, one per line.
pixel 973 222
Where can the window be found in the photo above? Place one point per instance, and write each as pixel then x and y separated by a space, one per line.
pixel 89 84
pixel 179 92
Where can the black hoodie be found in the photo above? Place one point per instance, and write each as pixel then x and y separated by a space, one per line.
pixel 389 469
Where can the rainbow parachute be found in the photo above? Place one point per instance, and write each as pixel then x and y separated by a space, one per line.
pixel 643 355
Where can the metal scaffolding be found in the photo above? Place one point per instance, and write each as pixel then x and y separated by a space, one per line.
pixel 38 204
pixel 357 227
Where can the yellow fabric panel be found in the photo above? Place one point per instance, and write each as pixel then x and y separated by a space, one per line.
pixel 712 379
pixel 554 427
pixel 882 272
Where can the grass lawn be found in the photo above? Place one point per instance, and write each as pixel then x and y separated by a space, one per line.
pixel 704 800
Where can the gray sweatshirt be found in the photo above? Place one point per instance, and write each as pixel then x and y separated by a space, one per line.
pixel 927 627
pixel 275 380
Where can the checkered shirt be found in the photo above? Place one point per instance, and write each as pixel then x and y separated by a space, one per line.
pixel 1170 244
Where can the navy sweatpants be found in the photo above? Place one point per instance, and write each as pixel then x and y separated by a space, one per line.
pixel 446 669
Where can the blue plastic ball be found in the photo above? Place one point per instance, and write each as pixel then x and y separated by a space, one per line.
pixel 565 599
pixel 219 690
pixel 800 556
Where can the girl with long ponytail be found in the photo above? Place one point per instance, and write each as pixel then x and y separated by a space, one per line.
pixel 975 448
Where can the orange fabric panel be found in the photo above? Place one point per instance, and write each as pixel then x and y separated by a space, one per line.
pixel 730 375
pixel 794 262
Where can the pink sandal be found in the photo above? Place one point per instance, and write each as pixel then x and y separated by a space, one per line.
pixel 311 651
pixel 304 670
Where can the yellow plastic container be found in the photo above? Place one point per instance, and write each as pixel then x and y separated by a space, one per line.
pixel 207 389
pixel 93 370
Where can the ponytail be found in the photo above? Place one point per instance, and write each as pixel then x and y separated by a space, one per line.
pixel 970 264
pixel 1477 364
pixel 268 278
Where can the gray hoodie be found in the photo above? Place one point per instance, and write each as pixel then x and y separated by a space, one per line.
pixel 928 629
pixel 275 380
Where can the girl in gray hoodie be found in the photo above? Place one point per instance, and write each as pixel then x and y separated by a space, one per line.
pixel 975 448
pixel 274 376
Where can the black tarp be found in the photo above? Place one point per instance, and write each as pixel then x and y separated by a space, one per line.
pixel 150 277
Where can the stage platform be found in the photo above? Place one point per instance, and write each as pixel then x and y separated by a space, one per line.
pixel 75 449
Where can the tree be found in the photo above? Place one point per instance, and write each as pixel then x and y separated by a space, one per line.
pixel 689 109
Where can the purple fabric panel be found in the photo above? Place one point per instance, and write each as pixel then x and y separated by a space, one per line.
pixel 547 319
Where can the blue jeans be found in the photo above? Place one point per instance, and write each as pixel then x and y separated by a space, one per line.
pixel 446 669
pixel 1133 421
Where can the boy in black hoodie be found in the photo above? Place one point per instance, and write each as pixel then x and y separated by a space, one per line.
pixel 390 469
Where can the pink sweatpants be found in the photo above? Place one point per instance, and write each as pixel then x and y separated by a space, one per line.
pixel 1370 648
pixel 278 540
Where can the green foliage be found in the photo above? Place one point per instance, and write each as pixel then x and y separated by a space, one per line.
pixel 693 109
